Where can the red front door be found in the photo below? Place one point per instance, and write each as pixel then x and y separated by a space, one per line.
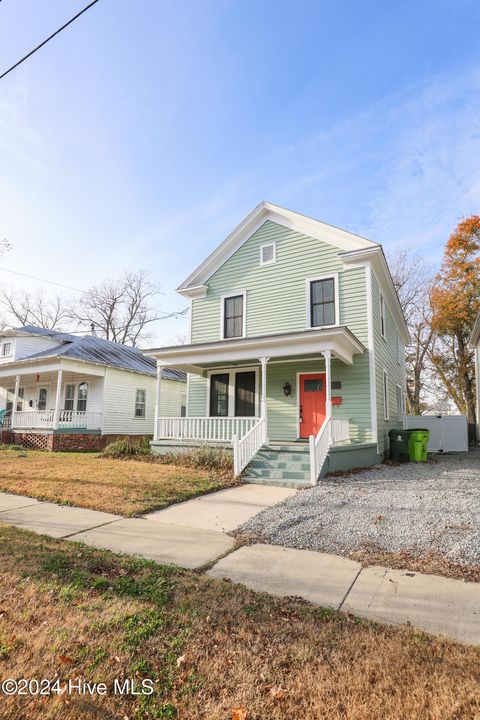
pixel 313 395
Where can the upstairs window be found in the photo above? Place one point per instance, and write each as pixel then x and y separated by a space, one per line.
pixel 323 309
pixel 6 349
pixel 82 397
pixel 233 316
pixel 268 254
pixel 140 402
pixel 382 315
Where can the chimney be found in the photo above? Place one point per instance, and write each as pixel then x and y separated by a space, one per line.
pixel 92 330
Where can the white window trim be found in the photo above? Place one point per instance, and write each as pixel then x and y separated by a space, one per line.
pixel 401 404
pixel 308 282
pixel 140 417
pixel 243 293
pixel 274 259
pixel 386 395
pixel 231 372
pixel 383 318
pixel 2 345
pixel 43 387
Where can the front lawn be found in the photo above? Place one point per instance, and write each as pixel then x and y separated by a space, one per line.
pixel 124 487
pixel 213 650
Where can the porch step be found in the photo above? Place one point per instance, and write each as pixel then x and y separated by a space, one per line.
pixel 281 464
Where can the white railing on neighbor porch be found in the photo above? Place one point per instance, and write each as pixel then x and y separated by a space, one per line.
pixel 333 430
pixel 204 429
pixel 246 447
pixel 44 420
pixel 85 420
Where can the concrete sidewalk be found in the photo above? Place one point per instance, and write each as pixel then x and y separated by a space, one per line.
pixel 435 604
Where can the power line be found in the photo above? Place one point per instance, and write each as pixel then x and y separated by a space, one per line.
pixel 50 37
pixel 33 277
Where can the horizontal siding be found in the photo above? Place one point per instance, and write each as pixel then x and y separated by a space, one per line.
pixel 49 381
pixel 386 357
pixel 119 404
pixel 283 411
pixel 276 294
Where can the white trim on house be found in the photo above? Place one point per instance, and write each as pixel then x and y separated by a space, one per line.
pixel 308 296
pixel 238 293
pixel 371 354
pixel 273 259
pixel 339 340
pixel 231 372
pixel 329 234
pixel 376 259
pixel 386 395
pixel 400 402
pixel 383 318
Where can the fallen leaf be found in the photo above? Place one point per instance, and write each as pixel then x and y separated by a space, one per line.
pixel 180 660
pixel 278 693
pixel 239 713
pixel 66 659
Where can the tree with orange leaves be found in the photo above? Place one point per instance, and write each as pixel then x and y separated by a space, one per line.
pixel 455 300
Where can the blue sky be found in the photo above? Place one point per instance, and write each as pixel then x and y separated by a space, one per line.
pixel 141 135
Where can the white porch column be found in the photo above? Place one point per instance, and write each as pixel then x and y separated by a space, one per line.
pixel 15 400
pixel 263 407
pixel 328 379
pixel 58 396
pixel 157 399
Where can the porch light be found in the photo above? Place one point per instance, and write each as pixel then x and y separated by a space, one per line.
pixel 287 389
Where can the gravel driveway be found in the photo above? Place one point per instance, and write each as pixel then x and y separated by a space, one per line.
pixel 415 507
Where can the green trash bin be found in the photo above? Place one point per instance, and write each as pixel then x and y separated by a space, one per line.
pixel 399 445
pixel 417 444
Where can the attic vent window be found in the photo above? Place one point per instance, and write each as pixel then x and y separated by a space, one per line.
pixel 268 254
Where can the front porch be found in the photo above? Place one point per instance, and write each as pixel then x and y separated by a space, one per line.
pixel 251 392
pixel 39 401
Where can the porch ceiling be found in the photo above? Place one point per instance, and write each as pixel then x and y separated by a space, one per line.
pixel 310 343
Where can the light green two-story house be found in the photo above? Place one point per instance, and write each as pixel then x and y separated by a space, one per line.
pixel 296 356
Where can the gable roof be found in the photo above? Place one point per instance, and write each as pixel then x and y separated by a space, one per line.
pixel 330 234
pixel 90 348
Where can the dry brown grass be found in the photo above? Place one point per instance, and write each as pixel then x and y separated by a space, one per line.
pixel 212 646
pixel 430 563
pixel 124 487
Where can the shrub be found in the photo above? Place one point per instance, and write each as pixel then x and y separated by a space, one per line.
pixel 205 457
pixel 128 448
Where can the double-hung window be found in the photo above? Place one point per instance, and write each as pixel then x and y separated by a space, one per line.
pixel 233 316
pixel 400 402
pixel 219 385
pixel 11 395
pixel 6 349
pixel 382 316
pixel 69 397
pixel 323 309
pixel 82 397
pixel 386 408
pixel 140 402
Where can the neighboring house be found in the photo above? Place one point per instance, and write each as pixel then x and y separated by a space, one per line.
pixel 475 343
pixel 65 392
pixel 296 334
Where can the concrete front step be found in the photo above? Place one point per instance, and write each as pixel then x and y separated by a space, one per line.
pixel 284 465
pixel 277 482
pixel 294 448
pixel 280 474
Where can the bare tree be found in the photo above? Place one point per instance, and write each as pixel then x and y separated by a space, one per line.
pixel 121 309
pixel 25 308
pixel 412 279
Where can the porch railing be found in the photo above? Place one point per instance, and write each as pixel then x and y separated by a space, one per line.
pixel 85 420
pixel 333 430
pixel 204 429
pixel 246 447
pixel 44 420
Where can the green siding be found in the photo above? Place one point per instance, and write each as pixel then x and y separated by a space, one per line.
pixel 386 357
pixel 276 301
pixel 276 294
